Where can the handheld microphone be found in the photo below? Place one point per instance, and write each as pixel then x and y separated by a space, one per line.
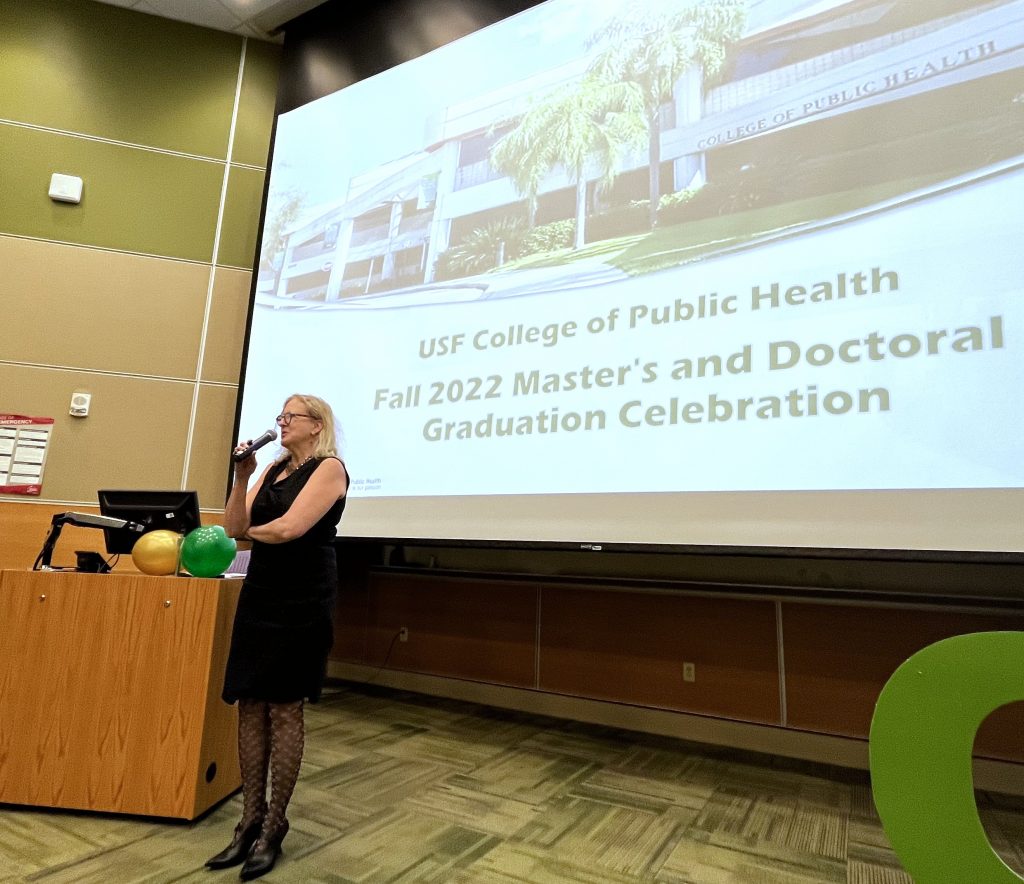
pixel 268 436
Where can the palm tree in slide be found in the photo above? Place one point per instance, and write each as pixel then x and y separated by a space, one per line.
pixel 584 128
pixel 652 52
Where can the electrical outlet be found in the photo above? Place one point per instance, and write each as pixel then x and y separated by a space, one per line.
pixel 403 634
pixel 689 672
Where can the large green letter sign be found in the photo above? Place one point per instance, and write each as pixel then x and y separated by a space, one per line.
pixel 922 737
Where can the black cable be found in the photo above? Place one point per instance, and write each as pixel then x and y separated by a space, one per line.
pixel 387 657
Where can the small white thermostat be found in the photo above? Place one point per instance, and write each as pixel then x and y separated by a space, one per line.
pixel 65 188
pixel 80 403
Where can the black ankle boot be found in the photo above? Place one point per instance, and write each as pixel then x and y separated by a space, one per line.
pixel 239 847
pixel 263 855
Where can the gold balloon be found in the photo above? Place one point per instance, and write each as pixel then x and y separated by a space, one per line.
pixel 157 552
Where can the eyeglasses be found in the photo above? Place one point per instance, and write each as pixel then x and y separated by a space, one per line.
pixel 285 419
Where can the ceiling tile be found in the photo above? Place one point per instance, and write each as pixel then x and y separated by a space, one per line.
pixel 208 13
pixel 250 18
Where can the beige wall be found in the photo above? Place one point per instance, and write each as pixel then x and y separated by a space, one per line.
pixel 139 294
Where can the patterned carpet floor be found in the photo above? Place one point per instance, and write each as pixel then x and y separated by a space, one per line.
pixel 399 787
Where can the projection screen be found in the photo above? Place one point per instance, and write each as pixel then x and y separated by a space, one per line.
pixel 714 273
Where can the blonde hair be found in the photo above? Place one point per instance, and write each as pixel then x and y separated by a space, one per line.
pixel 327 441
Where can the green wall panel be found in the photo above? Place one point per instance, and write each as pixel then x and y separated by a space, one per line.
pixel 241 217
pixel 135 200
pixel 256 103
pixel 101 70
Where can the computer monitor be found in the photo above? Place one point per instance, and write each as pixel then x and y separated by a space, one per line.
pixel 169 510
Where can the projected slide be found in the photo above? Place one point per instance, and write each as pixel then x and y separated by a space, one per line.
pixel 603 248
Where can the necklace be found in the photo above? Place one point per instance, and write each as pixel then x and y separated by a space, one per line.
pixel 295 467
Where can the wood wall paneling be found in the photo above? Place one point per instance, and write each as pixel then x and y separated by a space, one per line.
pixel 351 617
pixel 630 647
pixel 474 629
pixel 350 629
pixel 839 657
pixel 24 527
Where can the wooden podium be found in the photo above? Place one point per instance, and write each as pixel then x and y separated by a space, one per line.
pixel 110 692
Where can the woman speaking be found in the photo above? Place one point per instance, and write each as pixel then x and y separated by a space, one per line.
pixel 283 627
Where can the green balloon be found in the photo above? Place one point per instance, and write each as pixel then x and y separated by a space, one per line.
pixel 922 737
pixel 207 551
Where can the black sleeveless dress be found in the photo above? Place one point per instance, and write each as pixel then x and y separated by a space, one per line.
pixel 284 623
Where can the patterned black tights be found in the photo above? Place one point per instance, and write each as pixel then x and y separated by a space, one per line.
pixel 269 735
pixel 287 740
pixel 253 756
